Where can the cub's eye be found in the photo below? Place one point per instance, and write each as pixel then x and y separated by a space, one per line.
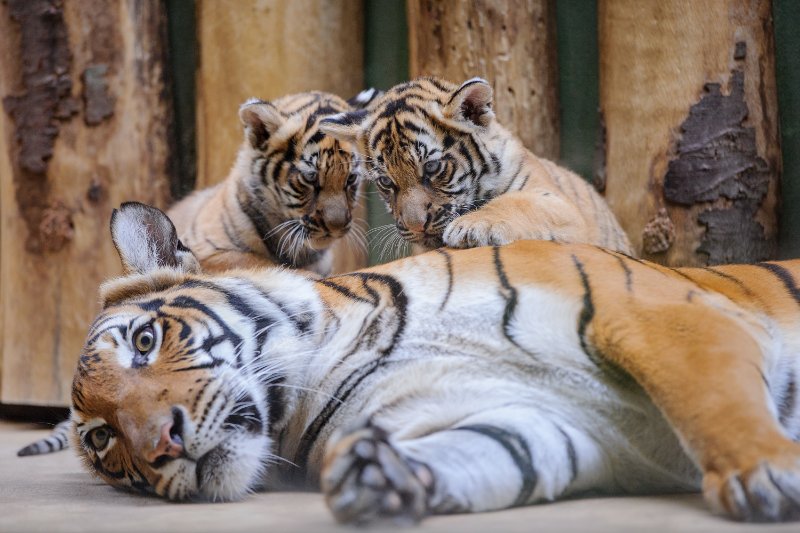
pixel 384 182
pixel 351 180
pixel 432 167
pixel 309 177
pixel 144 339
pixel 98 437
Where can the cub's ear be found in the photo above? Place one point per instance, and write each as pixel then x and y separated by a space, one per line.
pixel 344 126
pixel 365 98
pixel 145 239
pixel 472 102
pixel 260 120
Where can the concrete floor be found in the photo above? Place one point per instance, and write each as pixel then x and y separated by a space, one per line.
pixel 52 494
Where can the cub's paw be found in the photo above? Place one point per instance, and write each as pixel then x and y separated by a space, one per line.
pixel 767 492
pixel 478 229
pixel 365 479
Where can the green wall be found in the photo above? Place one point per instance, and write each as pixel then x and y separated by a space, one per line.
pixel 786 16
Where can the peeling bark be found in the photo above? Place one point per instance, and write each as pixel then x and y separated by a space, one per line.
pixel 687 91
pixel 98 103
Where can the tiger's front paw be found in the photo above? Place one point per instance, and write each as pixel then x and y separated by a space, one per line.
pixel 365 479
pixel 477 229
pixel 767 492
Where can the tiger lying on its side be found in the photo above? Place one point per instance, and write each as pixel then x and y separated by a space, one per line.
pixel 450 174
pixel 454 381
pixel 288 198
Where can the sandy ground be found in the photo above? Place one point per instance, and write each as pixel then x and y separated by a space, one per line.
pixel 52 494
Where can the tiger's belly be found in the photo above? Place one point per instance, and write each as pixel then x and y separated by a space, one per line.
pixel 454 365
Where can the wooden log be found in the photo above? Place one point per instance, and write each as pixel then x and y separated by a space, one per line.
pixel 85 126
pixel 269 49
pixel 510 43
pixel 687 92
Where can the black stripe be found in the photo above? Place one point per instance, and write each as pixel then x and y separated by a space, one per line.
pixel 342 290
pixel 520 453
pixel 625 268
pixel 399 302
pixel 571 455
pixel 510 298
pixel 733 279
pixel 585 318
pixel 785 276
pixel 449 263
pixel 789 397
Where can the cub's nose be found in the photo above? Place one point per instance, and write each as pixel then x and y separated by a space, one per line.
pixel 169 443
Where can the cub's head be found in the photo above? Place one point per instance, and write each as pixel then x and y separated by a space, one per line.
pixel 424 146
pixel 170 395
pixel 299 186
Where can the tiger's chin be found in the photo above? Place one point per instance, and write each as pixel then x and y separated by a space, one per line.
pixel 428 241
pixel 232 469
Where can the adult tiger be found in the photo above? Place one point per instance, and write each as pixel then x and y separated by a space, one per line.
pixel 289 196
pixel 453 381
pixel 450 174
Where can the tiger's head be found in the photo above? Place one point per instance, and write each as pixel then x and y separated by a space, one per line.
pixel 171 395
pixel 298 185
pixel 424 142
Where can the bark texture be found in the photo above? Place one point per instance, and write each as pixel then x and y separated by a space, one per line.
pixel 85 126
pixel 512 44
pixel 692 155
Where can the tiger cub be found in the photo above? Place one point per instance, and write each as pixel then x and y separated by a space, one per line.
pixel 451 174
pixel 288 198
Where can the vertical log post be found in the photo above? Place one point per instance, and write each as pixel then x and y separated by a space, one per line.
pixel 687 93
pixel 512 44
pixel 84 126
pixel 250 48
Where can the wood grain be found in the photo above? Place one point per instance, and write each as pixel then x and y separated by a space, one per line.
pixel 109 144
pixel 263 49
pixel 512 44
pixel 670 74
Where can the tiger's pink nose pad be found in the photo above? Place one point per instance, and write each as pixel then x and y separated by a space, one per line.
pixel 167 445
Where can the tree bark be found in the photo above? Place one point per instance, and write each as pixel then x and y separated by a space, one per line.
pixel 687 93
pixel 250 48
pixel 85 126
pixel 512 44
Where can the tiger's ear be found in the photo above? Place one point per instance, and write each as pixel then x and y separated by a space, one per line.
pixel 260 120
pixel 344 127
pixel 472 102
pixel 146 240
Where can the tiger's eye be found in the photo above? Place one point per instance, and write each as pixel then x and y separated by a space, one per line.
pixel 432 167
pixel 99 437
pixel 351 179
pixel 384 182
pixel 309 177
pixel 144 340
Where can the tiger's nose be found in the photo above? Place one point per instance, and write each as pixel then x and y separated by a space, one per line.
pixel 169 443
pixel 336 218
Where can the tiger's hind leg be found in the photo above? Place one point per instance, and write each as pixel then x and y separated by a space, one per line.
pixel 493 460
pixel 703 366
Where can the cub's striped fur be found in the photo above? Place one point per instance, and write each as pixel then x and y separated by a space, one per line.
pixel 450 174
pixel 454 381
pixel 289 196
